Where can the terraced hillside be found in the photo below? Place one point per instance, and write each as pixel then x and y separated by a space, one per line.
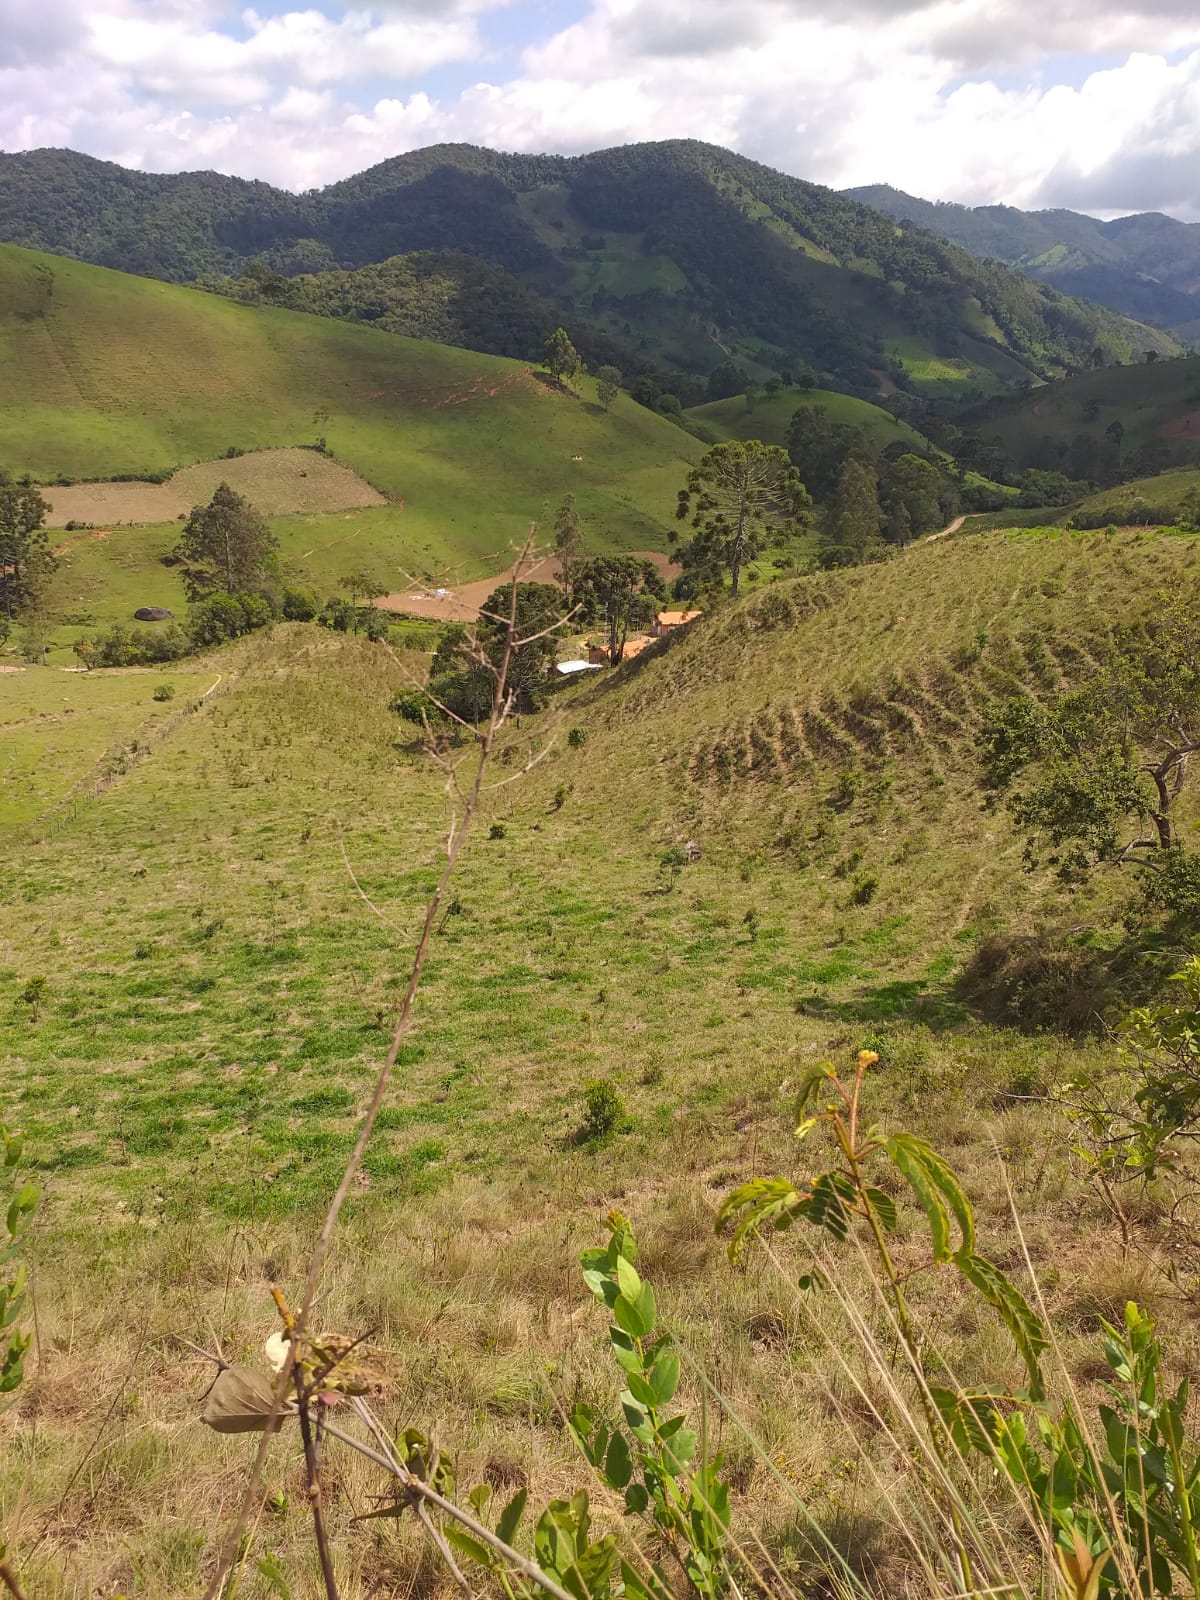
pixel 218 987
pixel 104 374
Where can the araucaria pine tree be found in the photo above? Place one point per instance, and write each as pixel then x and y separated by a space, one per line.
pixel 740 493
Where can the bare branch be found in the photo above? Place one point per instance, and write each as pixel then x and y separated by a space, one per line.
pixel 320 1252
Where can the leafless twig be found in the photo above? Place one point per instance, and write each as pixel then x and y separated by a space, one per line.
pixel 501 705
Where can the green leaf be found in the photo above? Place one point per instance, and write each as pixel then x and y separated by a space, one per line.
pixel 679 1450
pixel 636 1317
pixel 884 1208
pixel 1018 1316
pixel 812 1081
pixel 826 1206
pixel 460 1539
pixel 761 1201
pixel 642 1390
pixel 510 1517
pixel 628 1281
pixel 271 1569
pixel 618 1464
pixel 636 1499
pixel 664 1378
pixel 625 1351
pixel 937 1190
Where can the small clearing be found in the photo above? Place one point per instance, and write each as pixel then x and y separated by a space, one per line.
pixel 274 481
pixel 462 604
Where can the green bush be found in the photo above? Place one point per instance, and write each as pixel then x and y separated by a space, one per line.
pixel 164 691
pixel 603 1111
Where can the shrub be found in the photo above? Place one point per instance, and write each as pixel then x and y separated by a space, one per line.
pixel 1038 982
pixel 497 831
pixel 866 887
pixel 603 1111
pixel 299 605
pixel 576 739
pixel 164 691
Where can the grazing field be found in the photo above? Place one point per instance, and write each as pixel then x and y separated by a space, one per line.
pixel 62 731
pixel 275 481
pixel 770 415
pixel 467 449
pixel 218 990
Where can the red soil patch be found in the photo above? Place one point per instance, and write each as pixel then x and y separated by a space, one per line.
pixel 463 603
pixel 1186 427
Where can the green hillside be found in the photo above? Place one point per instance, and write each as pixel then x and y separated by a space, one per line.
pixel 218 991
pixel 1156 404
pixel 1146 265
pixel 676 256
pixel 106 374
pixel 769 416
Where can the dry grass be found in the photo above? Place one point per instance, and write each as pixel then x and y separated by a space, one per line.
pixel 211 1024
pixel 274 481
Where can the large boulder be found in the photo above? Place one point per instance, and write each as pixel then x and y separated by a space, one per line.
pixel 153 614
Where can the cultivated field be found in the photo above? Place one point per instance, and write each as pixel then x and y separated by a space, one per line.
pixel 275 481
pixel 218 994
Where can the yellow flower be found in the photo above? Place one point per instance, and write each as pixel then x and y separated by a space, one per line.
pixel 867 1058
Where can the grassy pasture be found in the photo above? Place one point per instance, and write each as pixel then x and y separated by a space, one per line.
pixel 769 417
pixel 145 377
pixel 61 730
pixel 218 988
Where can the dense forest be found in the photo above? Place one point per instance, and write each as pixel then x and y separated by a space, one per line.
pixel 671 255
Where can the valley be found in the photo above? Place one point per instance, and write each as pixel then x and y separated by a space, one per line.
pixel 876 588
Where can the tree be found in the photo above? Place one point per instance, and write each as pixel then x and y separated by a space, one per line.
pixel 362 589
pixel 915 482
pixel 851 533
pixel 608 385
pixel 539 615
pixel 562 358
pixel 818 446
pixel 725 381
pixel 1095 776
pixel 897 526
pixel 26 560
pixel 568 547
pixel 623 590
pixel 738 492
pixel 1116 432
pixel 225 547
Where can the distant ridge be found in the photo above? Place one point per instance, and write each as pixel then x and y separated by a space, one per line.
pixel 1146 265
pixel 683 256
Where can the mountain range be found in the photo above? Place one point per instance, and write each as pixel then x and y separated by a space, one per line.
pixel 669 259
pixel 1146 265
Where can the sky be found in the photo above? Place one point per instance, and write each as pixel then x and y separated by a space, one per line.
pixel 1092 104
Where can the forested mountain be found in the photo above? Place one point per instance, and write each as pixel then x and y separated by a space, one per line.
pixel 687 256
pixel 1147 266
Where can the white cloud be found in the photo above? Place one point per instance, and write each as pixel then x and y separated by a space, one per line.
pixel 947 98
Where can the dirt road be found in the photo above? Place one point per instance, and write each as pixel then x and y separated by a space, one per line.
pixel 462 603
